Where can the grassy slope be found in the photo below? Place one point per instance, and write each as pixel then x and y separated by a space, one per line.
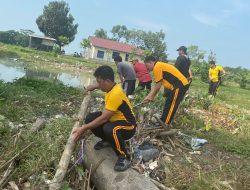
pixel 228 94
pixel 229 102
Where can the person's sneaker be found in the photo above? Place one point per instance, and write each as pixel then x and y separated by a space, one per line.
pixel 122 164
pixel 101 144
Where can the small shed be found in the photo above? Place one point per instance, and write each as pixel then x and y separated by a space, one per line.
pixel 41 42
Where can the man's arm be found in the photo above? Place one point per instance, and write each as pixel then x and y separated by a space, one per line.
pixel 106 115
pixel 178 62
pixel 223 71
pixel 190 76
pixel 121 78
pixel 153 93
pixel 92 87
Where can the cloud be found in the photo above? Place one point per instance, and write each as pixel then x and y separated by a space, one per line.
pixel 150 25
pixel 206 19
pixel 219 16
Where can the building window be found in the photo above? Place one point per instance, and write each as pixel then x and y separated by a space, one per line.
pixel 127 56
pixel 115 54
pixel 100 54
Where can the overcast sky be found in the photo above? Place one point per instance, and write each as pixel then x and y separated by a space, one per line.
pixel 222 26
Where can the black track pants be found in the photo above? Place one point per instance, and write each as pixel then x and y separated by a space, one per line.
pixel 113 132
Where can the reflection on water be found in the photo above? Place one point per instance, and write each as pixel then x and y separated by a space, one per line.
pixel 9 73
pixel 11 70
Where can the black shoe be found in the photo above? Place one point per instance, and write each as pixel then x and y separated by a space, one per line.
pixel 101 144
pixel 122 164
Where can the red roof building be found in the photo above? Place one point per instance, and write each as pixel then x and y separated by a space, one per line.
pixel 105 49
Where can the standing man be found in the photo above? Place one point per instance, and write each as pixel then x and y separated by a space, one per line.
pixel 117 121
pixel 142 74
pixel 213 75
pixel 171 78
pixel 183 63
pixel 127 75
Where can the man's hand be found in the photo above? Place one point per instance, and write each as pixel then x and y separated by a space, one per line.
pixel 78 132
pixel 148 98
pixel 190 79
pixel 90 88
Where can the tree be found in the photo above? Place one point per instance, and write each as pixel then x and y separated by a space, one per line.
pixel 199 66
pixel 85 43
pixel 195 54
pixel 14 37
pixel 119 32
pixel 101 33
pixel 26 32
pixel 63 40
pixel 56 21
pixel 211 56
pixel 154 42
pixel 150 41
pixel 242 77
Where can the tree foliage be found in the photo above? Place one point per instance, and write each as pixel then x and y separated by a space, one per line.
pixel 119 32
pixel 15 38
pixel 101 33
pixel 152 43
pixel 195 53
pixel 239 75
pixel 63 40
pixel 85 43
pixel 56 21
pixel 211 56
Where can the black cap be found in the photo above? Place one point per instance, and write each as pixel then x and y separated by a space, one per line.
pixel 212 62
pixel 149 58
pixel 183 48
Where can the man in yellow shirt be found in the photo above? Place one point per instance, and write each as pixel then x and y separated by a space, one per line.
pixel 170 77
pixel 214 80
pixel 117 121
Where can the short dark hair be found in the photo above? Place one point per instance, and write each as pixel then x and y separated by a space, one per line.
pixel 118 58
pixel 212 62
pixel 104 72
pixel 150 58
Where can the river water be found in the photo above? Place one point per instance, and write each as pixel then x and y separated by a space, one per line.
pixel 11 69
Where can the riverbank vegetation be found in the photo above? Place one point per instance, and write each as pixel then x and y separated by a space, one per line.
pixel 31 157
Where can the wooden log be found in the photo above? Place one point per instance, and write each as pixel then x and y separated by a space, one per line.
pixel 65 158
pixel 103 175
pixel 164 125
pixel 167 133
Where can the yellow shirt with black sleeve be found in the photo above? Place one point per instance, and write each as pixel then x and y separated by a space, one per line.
pixel 117 101
pixel 171 77
pixel 214 73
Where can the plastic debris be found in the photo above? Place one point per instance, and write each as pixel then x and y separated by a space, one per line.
pixel 146 152
pixel 153 165
pixel 195 143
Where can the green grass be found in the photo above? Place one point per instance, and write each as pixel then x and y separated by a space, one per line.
pixel 41 58
pixel 227 94
pixel 21 102
pixel 25 99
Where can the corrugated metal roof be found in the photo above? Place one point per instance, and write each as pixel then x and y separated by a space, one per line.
pixel 114 45
pixel 43 37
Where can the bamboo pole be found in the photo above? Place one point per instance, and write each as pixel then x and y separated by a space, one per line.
pixel 65 159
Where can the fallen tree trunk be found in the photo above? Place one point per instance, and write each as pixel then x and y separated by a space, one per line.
pixel 103 175
pixel 65 159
